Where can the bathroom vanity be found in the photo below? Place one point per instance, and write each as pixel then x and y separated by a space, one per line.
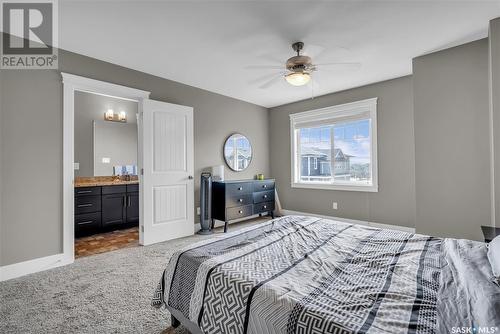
pixel 102 206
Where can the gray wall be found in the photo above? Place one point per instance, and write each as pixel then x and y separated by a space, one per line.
pixel 31 218
pixel 115 141
pixel 452 151
pixel 395 201
pixel 88 108
pixel 31 222
pixel 494 58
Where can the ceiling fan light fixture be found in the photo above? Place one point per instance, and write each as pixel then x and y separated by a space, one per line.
pixel 298 78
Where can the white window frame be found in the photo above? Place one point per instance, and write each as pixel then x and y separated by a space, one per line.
pixel 362 109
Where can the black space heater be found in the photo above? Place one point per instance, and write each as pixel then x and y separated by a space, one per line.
pixel 205 203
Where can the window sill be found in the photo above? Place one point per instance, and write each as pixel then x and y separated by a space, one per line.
pixel 360 188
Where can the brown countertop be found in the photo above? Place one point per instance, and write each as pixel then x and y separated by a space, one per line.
pixel 102 181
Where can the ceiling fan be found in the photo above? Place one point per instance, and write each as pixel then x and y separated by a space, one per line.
pixel 298 69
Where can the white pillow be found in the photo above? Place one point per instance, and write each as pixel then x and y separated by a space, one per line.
pixel 494 256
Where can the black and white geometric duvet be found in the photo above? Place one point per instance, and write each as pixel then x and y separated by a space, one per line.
pixel 306 275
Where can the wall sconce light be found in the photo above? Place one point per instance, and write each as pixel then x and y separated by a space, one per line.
pixel 111 116
pixel 108 115
pixel 122 116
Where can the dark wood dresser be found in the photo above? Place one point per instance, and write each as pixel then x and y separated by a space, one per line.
pixel 239 199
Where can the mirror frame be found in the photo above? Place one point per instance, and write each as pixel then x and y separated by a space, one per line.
pixel 224 148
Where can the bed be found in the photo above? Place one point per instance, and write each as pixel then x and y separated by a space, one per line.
pixel 297 274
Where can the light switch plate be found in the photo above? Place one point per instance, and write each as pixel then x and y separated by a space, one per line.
pixel 106 160
pixel 76 166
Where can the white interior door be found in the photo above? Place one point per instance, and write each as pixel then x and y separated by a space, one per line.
pixel 166 161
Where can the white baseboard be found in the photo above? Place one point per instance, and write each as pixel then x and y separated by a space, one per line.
pixel 32 266
pixel 351 221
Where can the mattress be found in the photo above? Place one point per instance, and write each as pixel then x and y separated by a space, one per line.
pixel 298 274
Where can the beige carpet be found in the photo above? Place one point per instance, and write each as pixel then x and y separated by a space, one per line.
pixel 104 293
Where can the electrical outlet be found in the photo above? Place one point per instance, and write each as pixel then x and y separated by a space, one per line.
pixel 335 206
pixel 198 211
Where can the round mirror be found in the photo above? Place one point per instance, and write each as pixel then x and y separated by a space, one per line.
pixel 237 152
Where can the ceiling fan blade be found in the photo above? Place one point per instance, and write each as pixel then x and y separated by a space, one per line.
pixel 263 78
pixel 264 67
pixel 339 64
pixel 271 82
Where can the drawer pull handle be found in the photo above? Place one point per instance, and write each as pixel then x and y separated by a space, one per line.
pixel 264 186
pixel 265 196
pixel 240 200
pixel 240 211
pixel 240 188
pixel 84 205
pixel 264 207
pixel 84 191
pixel 86 222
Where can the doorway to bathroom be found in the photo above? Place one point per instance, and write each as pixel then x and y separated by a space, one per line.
pixel 159 186
pixel 106 180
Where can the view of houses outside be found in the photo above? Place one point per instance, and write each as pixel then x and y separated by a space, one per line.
pixel 238 147
pixel 348 143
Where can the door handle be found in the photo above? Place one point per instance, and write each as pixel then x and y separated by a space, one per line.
pixel 190 177
pixel 83 205
pixel 129 201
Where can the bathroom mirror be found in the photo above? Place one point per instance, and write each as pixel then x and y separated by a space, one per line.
pixel 104 146
pixel 237 152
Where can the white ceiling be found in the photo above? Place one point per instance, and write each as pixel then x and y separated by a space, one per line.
pixel 208 44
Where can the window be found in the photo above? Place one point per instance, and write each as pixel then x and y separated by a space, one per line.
pixel 336 147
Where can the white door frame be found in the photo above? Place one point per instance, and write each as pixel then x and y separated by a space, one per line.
pixel 72 83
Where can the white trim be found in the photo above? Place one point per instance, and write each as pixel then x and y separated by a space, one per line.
pixel 366 107
pixel 491 132
pixel 352 221
pixel 72 83
pixel 32 266
pixel 347 187
pixel 104 88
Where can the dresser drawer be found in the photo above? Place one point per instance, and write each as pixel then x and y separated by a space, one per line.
pixel 87 204
pixel 238 188
pixel 238 200
pixel 87 222
pixel 106 190
pixel 263 196
pixel 238 212
pixel 87 191
pixel 263 185
pixel 263 207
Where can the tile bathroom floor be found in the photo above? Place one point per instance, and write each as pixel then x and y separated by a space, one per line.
pixel 105 242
